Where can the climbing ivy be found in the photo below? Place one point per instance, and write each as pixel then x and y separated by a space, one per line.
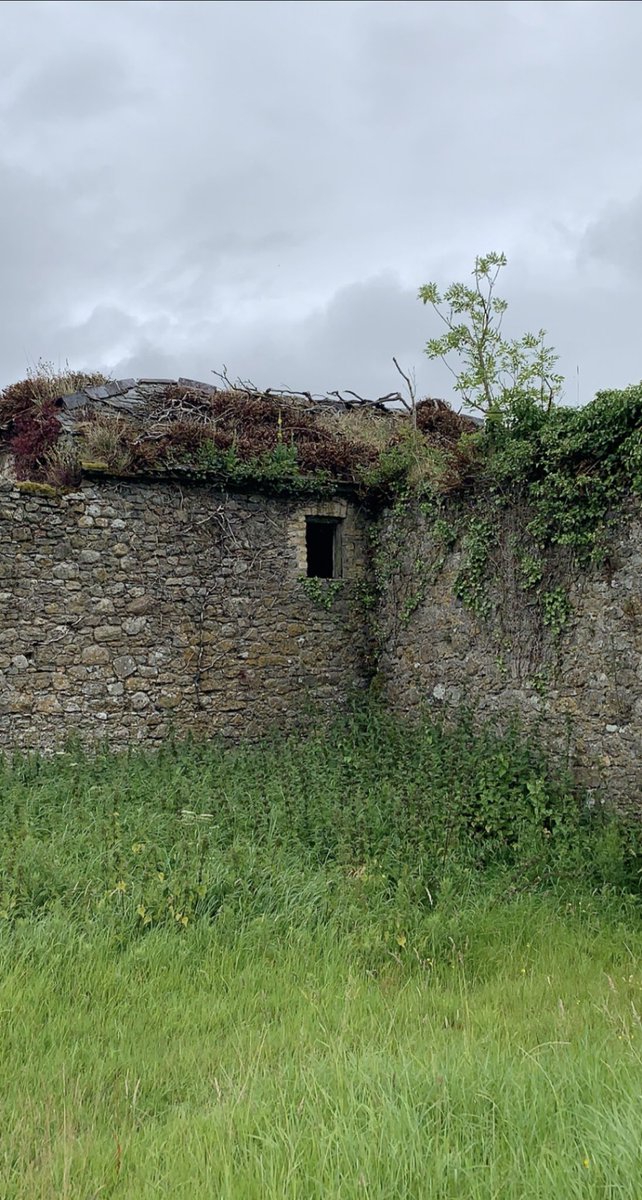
pixel 574 468
pixel 321 592
pixel 556 609
pixel 567 472
pixel 470 585
pixel 531 569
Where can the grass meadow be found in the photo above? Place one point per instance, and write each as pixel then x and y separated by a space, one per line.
pixel 382 962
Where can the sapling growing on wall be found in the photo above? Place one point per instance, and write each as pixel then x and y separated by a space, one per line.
pixel 498 376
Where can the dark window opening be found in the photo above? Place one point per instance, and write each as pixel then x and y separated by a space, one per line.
pixel 323 547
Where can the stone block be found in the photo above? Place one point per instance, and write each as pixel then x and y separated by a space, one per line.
pixel 124 666
pixel 61 683
pixel 49 705
pixel 134 625
pixel 140 606
pixel 107 633
pixel 66 571
pixel 94 656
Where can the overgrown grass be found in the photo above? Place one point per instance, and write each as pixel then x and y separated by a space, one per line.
pixel 317 969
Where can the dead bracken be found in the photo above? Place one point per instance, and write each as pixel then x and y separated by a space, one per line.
pixel 59 425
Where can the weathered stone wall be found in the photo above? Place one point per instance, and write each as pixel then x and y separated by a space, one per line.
pixel 128 611
pixel 581 693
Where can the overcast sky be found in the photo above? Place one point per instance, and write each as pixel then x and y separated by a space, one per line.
pixel 267 184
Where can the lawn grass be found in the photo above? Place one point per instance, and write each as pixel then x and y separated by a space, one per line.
pixel 212 985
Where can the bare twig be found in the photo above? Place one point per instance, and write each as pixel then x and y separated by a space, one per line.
pixel 411 405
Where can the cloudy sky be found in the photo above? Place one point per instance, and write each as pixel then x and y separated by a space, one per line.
pixel 267 184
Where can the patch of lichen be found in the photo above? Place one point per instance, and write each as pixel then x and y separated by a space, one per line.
pixel 33 487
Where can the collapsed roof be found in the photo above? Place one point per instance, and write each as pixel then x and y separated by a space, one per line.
pixel 233 432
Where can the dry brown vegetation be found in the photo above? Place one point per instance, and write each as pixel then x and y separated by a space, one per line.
pixel 199 428
pixel 43 386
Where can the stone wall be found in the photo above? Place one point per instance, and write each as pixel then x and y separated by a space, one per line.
pixel 132 610
pixel 581 693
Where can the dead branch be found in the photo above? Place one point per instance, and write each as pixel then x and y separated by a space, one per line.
pixel 411 405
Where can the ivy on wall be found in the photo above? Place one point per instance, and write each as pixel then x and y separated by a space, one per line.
pixel 555 477
pixel 322 592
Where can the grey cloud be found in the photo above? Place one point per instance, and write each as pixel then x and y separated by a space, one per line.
pixel 347 343
pixel 614 241
pixel 266 184
pixel 73 89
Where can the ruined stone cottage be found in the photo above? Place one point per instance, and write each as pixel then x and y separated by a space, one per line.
pixel 146 588
pixel 178 558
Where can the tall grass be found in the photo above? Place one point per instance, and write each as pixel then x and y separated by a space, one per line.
pixel 387 962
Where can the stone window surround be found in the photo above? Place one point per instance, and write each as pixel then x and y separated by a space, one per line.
pixel 336 509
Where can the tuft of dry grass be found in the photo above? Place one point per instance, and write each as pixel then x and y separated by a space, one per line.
pixel 362 426
pixel 61 466
pixel 435 418
pixel 43 385
pixel 107 438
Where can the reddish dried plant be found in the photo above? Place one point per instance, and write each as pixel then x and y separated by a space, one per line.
pixel 35 433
